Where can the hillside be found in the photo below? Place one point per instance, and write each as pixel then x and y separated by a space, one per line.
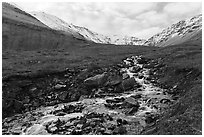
pixel 57 24
pixel 18 26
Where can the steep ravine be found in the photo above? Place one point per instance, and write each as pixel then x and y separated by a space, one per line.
pixel 114 105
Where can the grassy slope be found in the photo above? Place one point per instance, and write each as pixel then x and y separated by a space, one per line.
pixel 182 70
pixel 29 62
pixel 13 13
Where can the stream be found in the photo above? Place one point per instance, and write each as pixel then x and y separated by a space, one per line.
pixel 127 113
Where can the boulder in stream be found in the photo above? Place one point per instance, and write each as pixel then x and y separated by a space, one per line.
pixel 131 102
pixel 96 81
pixel 129 83
pixel 114 80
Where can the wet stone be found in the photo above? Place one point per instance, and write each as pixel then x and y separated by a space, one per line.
pixel 132 110
pixel 165 100
pixel 125 76
pixel 140 76
pixel 114 80
pixel 115 100
pixel 63 95
pixel 96 81
pixel 26 100
pixel 135 69
pixel 59 86
pixel 52 129
pixel 131 102
pixel 129 83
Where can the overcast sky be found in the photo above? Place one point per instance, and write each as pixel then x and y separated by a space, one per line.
pixel 134 19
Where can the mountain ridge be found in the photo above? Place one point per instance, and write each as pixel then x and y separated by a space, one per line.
pixel 58 24
pixel 174 34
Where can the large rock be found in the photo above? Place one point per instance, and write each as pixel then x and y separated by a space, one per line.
pixel 63 95
pixel 96 81
pixel 33 92
pixel 128 83
pixel 114 80
pixel 59 86
pixel 131 102
pixel 36 129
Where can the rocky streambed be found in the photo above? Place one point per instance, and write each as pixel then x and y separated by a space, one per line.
pixel 121 104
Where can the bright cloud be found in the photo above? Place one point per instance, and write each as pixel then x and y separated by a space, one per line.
pixel 135 19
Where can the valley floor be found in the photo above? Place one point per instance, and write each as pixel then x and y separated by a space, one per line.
pixel 37 79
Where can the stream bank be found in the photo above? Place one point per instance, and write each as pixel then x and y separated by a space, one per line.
pixel 123 100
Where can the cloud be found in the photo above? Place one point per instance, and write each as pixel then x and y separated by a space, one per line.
pixel 180 9
pixel 134 9
pixel 153 19
pixel 134 19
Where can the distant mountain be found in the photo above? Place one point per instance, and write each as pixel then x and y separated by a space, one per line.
pixel 126 40
pixel 77 31
pixel 180 32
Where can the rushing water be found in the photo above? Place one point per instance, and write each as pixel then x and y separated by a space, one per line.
pixel 150 102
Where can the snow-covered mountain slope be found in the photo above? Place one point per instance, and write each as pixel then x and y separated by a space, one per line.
pixel 126 40
pixel 77 31
pixel 56 24
pixel 177 33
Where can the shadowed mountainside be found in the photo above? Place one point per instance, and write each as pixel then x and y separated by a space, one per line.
pixel 22 31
